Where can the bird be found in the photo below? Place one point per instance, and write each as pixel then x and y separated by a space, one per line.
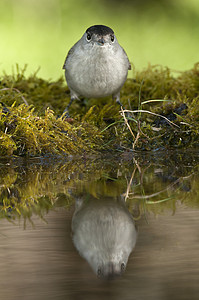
pixel 96 66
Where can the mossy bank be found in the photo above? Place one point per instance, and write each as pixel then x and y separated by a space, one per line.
pixel 163 113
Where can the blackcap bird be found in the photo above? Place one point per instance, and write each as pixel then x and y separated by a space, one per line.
pixel 96 66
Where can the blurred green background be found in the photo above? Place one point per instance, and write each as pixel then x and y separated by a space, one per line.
pixel 40 32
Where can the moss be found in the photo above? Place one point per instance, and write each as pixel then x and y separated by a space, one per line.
pixel 152 180
pixel 30 110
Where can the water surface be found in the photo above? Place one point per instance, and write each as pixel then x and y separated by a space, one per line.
pixel 153 197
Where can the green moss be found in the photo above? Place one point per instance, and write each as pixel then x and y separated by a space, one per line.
pixel 30 110
pixel 152 181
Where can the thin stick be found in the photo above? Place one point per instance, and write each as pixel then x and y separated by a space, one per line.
pixel 129 184
pixel 22 97
pixel 154 194
pixel 155 100
pixel 126 122
pixel 136 139
pixel 149 112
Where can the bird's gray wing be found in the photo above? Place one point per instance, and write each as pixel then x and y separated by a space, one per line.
pixel 129 67
pixel 71 51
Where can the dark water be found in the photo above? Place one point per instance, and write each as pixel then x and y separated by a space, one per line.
pixel 135 222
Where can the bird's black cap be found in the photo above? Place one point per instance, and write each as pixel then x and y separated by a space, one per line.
pixel 100 29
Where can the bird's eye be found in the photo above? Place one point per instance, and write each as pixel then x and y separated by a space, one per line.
pixel 88 36
pixel 99 272
pixel 122 267
pixel 112 38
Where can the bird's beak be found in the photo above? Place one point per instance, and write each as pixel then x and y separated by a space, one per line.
pixel 101 42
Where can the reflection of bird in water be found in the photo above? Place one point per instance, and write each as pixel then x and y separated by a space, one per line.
pixel 104 234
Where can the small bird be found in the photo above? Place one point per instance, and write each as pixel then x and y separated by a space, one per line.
pixel 96 66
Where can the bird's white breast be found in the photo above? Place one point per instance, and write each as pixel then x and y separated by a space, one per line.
pixel 96 71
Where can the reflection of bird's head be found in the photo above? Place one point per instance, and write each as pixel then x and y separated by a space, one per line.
pixel 104 234
pixel 111 269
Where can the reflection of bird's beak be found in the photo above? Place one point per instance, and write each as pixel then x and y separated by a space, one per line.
pixel 101 42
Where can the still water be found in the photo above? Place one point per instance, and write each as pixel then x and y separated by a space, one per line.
pixel 100 228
